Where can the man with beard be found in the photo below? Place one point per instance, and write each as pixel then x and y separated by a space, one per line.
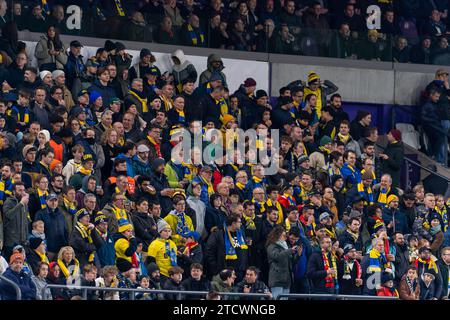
pixel 394 219
pixel 349 272
pixel 409 208
pixel 6 182
pixel 15 212
pixel 322 269
pixel 401 261
pixel 155 279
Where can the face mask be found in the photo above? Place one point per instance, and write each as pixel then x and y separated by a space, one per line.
pixel 90 141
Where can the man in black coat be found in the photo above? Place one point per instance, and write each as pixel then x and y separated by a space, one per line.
pixel 144 226
pixel 262 231
pixel 251 284
pixel 210 106
pixel 444 270
pixel 196 282
pixel 349 272
pixel 215 249
pixel 401 262
pixel 392 157
pixel 281 116
pixel 352 235
pixel 246 100
pixel 323 273
pixel 161 184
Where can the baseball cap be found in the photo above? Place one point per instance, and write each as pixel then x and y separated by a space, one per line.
pixel 76 44
pixel 324 215
pixel 52 196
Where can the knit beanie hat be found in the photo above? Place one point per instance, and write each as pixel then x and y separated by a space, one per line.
pixel 124 225
pixel 28 148
pixel 162 224
pixel 260 94
pixel 152 267
pixel 325 140
pixel 35 242
pixel 123 265
pixel 391 198
pixel 312 77
pixel 56 74
pixel 81 214
pixel 94 96
pixel 44 73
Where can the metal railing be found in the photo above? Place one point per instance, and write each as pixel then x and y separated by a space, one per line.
pixel 412 162
pixel 331 296
pixel 14 285
pixel 133 292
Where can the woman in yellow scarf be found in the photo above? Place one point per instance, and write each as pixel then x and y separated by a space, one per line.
pixel 69 265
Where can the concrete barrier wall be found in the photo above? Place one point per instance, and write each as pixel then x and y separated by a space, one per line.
pixel 357 84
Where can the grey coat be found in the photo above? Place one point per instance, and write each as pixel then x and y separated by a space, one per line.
pixel 16 222
pixel 42 53
pixel 280 261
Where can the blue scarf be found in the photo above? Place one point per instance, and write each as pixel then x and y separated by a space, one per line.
pixel 182 228
pixel 171 253
pixel 232 243
pixel 193 36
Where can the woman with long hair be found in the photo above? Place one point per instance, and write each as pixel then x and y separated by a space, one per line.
pixel 111 149
pixel 281 259
pixel 70 273
pixel 50 51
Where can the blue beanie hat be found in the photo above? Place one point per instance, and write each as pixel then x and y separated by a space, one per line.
pixel 94 96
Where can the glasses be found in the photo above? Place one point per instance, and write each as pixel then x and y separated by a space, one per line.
pixel 59 180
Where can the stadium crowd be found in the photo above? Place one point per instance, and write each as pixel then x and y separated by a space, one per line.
pixel 410 31
pixel 91 192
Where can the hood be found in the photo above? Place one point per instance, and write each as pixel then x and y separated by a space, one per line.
pixel 214 57
pixel 183 62
pixel 117 236
pixel 84 184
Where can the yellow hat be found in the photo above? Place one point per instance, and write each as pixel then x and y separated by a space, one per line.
pixel 124 225
pixel 312 76
pixel 373 32
pixel 227 118
pixel 391 198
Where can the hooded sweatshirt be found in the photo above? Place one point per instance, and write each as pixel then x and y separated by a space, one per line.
pixel 182 71
pixel 206 75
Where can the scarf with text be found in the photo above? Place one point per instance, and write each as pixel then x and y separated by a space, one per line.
pixel 329 279
pixel 70 206
pixel 142 101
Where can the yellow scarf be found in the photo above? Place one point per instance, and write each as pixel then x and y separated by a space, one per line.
pixel 318 93
pixel 269 203
pixel 343 138
pixel 142 101
pixel 152 141
pixel 42 256
pixel 240 186
pixel 120 213
pixel 71 206
pixel 257 180
pixel 85 234
pixel 167 103
pixel 84 171
pixel 250 222
pixel 304 192
pixel 66 272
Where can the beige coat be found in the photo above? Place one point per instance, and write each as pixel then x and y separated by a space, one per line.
pixel 41 53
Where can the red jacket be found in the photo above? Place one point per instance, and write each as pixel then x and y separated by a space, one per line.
pixel 385 292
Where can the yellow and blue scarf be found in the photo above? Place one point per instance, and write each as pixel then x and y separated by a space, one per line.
pixel 250 222
pixel 444 215
pixel 377 260
pixel 170 253
pixel 42 198
pixel 181 117
pixel 5 189
pixel 193 36
pixel 382 197
pixel 71 206
pixel 119 7
pixel 23 113
pixel 374 177
pixel 120 213
pixel 182 227
pixel 232 243
pixel 362 192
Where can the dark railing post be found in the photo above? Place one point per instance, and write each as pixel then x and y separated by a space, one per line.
pixel 84 291
pixel 15 286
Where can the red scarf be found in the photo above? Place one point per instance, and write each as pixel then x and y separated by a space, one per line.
pixel 329 281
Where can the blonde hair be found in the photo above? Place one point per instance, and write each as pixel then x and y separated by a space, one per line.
pixel 63 251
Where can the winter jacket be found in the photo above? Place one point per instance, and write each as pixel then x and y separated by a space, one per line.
pixel 23 280
pixel 400 223
pixel 428 293
pixel 113 225
pixel 444 271
pixel 246 103
pixel 56 231
pixel 15 222
pixel 394 163
pixel 172 285
pixel 82 247
pixel 280 266
pixel 74 69
pixel 42 53
pixel 214 218
pixel 257 287
pixel 405 291
pixel 401 262
pixel 105 250
pixel 348 286
pixel 105 91
pixel 347 238
pixel 70 169
pixel 206 75
pixel 40 284
pixel 317 274
pixel 144 229
pixel 182 71
pixel 191 284
pixel 200 211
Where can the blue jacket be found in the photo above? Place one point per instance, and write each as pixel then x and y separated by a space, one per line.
pixel 301 264
pixel 204 196
pixel 141 168
pixel 56 232
pixel 73 69
pixel 400 223
pixel 349 176
pixel 23 280
pixel 130 169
